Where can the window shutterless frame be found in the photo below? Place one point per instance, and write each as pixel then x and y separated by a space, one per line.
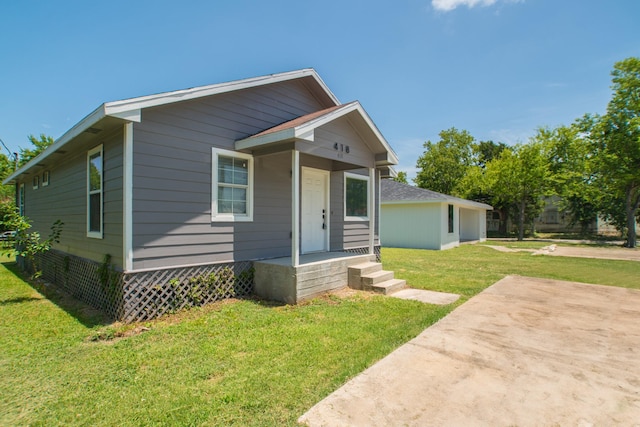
pixel 231 186
pixel 356 197
pixel 95 193
pixel 21 199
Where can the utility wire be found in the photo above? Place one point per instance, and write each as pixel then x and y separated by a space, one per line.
pixel 15 155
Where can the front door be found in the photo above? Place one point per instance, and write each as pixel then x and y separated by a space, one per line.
pixel 315 213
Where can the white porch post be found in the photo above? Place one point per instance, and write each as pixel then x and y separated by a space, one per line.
pixel 372 210
pixel 295 208
pixel 127 198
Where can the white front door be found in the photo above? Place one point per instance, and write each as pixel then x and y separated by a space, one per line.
pixel 315 213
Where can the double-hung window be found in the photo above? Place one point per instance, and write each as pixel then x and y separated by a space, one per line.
pixel 21 199
pixel 232 186
pixel 94 192
pixel 356 197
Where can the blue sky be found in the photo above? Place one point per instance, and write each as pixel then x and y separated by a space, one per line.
pixel 497 68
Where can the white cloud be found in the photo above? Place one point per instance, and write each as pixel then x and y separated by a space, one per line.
pixel 449 5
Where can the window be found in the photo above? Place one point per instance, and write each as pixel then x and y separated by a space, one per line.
pixel 45 178
pixel 232 186
pixel 36 182
pixel 21 199
pixel 94 192
pixel 356 192
pixel 450 218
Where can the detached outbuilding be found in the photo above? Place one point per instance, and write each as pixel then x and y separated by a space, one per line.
pixel 413 217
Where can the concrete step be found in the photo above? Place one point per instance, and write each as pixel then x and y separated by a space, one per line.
pixel 389 286
pixel 355 273
pixel 366 267
pixel 376 277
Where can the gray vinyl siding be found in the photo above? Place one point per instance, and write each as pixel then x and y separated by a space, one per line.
pixel 65 198
pixel 172 178
pixel 341 132
pixel 347 234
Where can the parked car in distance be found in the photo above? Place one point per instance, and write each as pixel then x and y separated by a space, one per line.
pixel 7 235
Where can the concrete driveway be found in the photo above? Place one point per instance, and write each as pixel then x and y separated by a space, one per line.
pixel 524 352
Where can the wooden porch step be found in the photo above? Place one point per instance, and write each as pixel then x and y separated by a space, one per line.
pixel 389 286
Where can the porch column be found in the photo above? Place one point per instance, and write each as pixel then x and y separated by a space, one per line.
pixel 295 208
pixel 372 210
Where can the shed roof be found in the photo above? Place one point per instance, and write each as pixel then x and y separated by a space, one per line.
pixel 393 192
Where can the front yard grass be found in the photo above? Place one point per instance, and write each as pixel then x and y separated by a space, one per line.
pixel 237 362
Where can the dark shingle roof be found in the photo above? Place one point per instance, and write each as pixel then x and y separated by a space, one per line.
pixel 392 191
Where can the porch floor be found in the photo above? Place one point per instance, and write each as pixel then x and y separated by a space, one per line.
pixel 312 258
pixel 276 279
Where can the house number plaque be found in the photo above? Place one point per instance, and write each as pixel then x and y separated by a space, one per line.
pixel 341 149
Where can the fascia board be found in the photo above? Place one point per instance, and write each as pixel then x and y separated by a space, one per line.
pixel 116 107
pixel 412 202
pixel 393 158
pixel 471 204
pixel 84 124
pixel 270 138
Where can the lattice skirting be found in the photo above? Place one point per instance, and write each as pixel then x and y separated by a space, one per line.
pixel 145 295
pixel 365 251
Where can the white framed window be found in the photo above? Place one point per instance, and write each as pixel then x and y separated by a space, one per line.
pixel 21 199
pixel 356 197
pixel 45 178
pixel 94 192
pixel 36 182
pixel 232 186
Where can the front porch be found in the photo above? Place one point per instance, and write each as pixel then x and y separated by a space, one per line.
pixel 278 279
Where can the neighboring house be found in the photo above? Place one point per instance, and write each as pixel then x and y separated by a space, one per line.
pixel 170 200
pixel 554 220
pixel 413 217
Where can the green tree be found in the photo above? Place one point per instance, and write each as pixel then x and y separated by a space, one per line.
pixel 518 178
pixel 38 146
pixel 475 186
pixel 569 156
pixel 402 177
pixel 444 164
pixel 615 139
pixel 7 192
pixel 485 151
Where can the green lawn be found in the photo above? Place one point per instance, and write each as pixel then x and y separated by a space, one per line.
pixel 236 362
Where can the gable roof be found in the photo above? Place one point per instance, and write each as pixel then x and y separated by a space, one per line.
pixel 393 192
pixel 129 110
pixel 303 128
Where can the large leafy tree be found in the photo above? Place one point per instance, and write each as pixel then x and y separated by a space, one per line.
pixel 444 163
pixel 518 178
pixel 401 177
pixel 475 186
pixel 7 192
pixel 616 145
pixel 571 177
pixel 38 145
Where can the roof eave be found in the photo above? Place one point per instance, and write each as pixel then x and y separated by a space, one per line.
pixel 125 105
pixel 84 124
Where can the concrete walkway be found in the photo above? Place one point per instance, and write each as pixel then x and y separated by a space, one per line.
pixel 429 297
pixel 525 352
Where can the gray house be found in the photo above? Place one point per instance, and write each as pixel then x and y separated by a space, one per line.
pixel 267 184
